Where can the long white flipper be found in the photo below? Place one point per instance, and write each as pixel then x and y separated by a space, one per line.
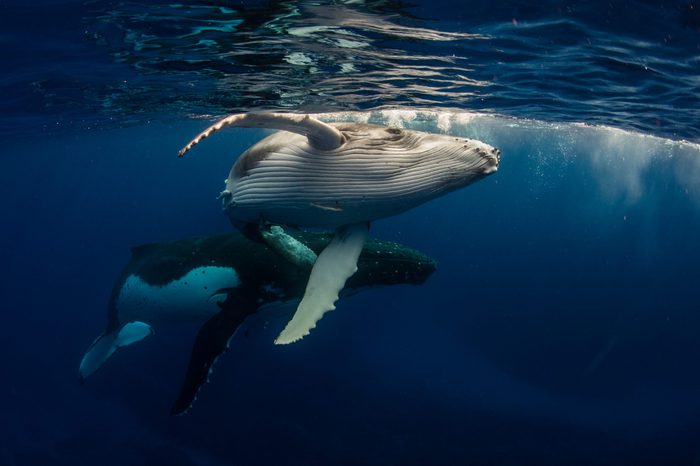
pixel 336 263
pixel 321 136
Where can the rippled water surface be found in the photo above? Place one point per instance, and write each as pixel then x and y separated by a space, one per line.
pixel 628 64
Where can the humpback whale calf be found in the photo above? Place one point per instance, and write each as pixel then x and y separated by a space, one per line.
pixel 338 176
pixel 220 280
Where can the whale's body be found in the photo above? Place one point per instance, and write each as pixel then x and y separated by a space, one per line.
pixel 341 176
pixel 219 281
pixel 378 172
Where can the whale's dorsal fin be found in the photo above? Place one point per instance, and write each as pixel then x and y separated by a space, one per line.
pixel 336 263
pixel 321 135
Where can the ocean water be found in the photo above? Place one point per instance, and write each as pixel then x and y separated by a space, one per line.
pixel 561 325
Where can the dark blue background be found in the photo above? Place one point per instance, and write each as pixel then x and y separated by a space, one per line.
pixel 560 327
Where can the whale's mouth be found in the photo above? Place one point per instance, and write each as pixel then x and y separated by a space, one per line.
pixel 480 160
pixel 493 160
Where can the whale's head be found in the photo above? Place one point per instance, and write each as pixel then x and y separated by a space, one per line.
pixel 474 159
pixel 479 158
pixel 436 163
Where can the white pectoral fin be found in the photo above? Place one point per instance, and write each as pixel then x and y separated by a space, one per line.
pixel 106 344
pixel 321 135
pixel 336 263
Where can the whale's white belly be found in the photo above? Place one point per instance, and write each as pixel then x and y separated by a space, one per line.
pixel 193 296
pixel 295 185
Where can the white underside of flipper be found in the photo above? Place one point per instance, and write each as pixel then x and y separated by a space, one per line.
pixel 320 135
pixel 107 344
pixel 336 263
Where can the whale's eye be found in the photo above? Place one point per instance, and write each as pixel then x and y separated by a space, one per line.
pixel 393 130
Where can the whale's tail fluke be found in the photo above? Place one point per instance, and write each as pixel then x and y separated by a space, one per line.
pixel 107 343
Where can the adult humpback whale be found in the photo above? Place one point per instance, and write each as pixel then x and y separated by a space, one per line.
pixel 221 280
pixel 341 176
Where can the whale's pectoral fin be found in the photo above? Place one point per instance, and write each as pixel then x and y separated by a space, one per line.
pixel 287 246
pixel 212 340
pixel 336 263
pixel 106 344
pixel 321 135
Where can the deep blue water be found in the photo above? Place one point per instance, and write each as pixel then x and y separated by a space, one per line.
pixel 561 326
